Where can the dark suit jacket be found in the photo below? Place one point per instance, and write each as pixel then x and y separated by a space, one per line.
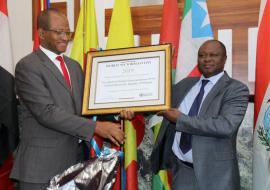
pixel 9 132
pixel 51 122
pixel 213 131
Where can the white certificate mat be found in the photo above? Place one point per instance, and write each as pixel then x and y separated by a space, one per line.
pixel 134 78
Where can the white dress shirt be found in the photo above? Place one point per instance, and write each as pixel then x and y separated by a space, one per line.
pixel 185 107
pixel 52 56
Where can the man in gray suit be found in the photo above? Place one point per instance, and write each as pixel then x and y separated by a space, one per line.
pixel 200 146
pixel 50 89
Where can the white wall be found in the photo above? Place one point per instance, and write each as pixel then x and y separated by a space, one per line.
pixel 20 18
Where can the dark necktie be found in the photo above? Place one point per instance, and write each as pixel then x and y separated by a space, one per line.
pixel 185 141
pixel 64 70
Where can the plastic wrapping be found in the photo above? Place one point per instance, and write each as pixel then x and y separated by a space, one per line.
pixel 96 174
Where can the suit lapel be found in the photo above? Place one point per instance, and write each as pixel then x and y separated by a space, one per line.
pixel 220 85
pixel 51 66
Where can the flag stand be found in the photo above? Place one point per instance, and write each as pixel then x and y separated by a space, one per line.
pixel 122 161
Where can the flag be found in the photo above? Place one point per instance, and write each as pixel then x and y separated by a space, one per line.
pixel 6 60
pixel 5 169
pixel 169 33
pixel 170 29
pixel 195 30
pixel 8 107
pixel 121 30
pixel 261 149
pixel 42 5
pixel 263 56
pixel 121 36
pixel 86 36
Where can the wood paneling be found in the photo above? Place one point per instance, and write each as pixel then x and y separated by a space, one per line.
pixel 146 20
pixel 77 6
pixel 61 6
pixel 233 14
pixel 223 14
pixel 34 16
pixel 238 15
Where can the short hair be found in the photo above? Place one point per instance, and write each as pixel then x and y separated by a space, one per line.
pixel 43 20
pixel 220 43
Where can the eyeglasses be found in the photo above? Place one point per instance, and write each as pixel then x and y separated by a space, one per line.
pixel 61 33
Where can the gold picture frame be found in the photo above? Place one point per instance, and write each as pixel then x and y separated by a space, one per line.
pixel 136 78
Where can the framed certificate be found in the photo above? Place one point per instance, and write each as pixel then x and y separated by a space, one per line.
pixel 135 78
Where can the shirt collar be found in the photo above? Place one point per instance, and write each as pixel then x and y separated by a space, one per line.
pixel 214 78
pixel 52 56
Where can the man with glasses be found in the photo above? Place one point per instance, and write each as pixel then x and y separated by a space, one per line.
pixel 50 86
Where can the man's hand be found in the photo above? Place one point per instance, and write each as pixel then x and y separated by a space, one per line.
pixel 171 114
pixel 110 131
pixel 127 114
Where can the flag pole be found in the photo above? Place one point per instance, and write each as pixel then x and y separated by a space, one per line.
pixel 122 161
pixel 84 33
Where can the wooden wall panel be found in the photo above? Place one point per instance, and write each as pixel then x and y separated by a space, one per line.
pixel 61 6
pixel 77 6
pixel 233 14
pixel 223 14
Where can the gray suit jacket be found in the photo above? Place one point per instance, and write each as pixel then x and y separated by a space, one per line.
pixel 213 131
pixel 50 120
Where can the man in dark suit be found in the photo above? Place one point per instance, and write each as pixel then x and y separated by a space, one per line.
pixel 9 132
pixel 197 139
pixel 50 90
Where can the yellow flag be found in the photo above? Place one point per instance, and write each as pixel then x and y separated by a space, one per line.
pixel 86 36
pixel 121 30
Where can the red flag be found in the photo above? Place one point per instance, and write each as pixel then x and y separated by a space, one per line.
pixel 170 29
pixel 263 57
pixel 5 169
pixel 261 146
